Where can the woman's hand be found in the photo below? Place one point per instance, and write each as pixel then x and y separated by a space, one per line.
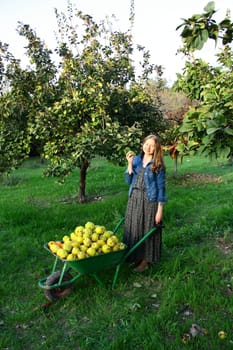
pixel 159 214
pixel 129 156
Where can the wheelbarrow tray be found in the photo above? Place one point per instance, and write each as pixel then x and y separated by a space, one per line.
pixel 95 263
pixel 58 281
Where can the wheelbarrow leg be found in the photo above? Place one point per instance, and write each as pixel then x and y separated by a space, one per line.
pixel 62 273
pixel 55 264
pixel 98 280
pixel 116 276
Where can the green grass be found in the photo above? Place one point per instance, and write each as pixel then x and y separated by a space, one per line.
pixel 192 283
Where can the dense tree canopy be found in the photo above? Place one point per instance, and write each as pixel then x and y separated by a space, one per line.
pixel 208 125
pixel 88 102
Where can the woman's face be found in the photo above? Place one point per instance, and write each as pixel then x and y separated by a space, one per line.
pixel 149 147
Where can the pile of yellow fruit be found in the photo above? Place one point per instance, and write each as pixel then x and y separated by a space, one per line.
pixel 86 241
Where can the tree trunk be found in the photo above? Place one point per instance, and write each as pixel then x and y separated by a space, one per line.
pixel 82 181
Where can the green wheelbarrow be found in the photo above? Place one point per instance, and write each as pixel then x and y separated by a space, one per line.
pixel 59 283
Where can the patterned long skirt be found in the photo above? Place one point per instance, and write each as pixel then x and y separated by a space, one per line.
pixel 139 219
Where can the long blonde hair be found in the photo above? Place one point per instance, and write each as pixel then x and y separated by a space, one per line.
pixel 157 158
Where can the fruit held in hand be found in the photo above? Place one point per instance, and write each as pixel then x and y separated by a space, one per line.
pixel 129 152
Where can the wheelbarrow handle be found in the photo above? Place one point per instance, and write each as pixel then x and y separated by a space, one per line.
pixel 120 222
pixel 131 250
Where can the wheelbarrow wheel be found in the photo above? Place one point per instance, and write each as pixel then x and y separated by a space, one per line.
pixel 54 294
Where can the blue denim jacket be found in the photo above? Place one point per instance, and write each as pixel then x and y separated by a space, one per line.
pixel 154 182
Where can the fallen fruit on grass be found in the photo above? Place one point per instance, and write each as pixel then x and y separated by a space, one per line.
pixel 186 338
pixel 222 334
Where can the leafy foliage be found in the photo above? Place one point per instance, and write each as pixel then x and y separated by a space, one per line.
pixel 207 127
pixel 89 104
pixel 201 27
pixel 14 105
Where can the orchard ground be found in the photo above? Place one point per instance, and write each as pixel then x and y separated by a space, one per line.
pixel 182 302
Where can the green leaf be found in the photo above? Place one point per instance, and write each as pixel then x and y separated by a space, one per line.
pixel 210 7
pixel 198 42
pixel 180 147
pixel 224 152
pixel 186 128
pixel 212 130
pixel 204 35
pixel 192 144
pixel 228 131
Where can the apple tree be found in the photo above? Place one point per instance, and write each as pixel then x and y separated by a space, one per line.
pixel 14 98
pixel 100 108
pixel 86 102
pixel 23 93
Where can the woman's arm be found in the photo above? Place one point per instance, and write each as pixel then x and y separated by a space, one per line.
pixel 159 213
pixel 161 196
pixel 161 186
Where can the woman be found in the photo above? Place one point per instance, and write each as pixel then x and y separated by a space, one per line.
pixel 146 176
